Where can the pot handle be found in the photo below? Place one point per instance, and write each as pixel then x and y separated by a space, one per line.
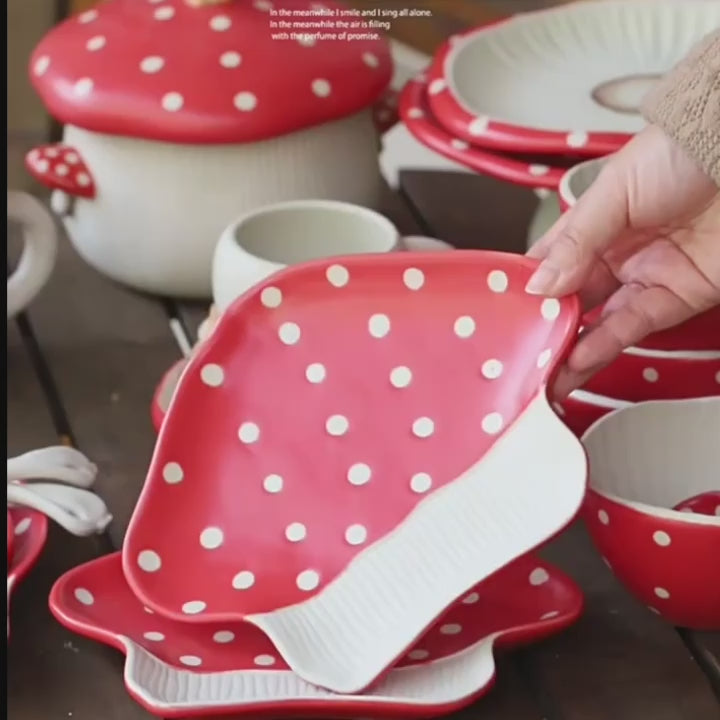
pixel 61 167
pixel 39 250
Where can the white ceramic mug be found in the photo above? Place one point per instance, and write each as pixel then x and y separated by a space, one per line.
pixel 269 239
pixel 39 250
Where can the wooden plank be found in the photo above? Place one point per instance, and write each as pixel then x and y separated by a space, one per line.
pixel 619 661
pixel 52 673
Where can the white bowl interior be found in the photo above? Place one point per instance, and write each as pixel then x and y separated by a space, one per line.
pixel 657 453
pixel 578 179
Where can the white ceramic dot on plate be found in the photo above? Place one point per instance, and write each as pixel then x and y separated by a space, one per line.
pixel 212 375
pixel 379 325
pixel 662 593
pixel 337 275
pixel 459 144
pixel 401 376
pixel 172 101
pixel 230 59
pixel 423 427
pixel 263 5
pixel 220 23
pixel 577 139
pixel 84 596
pixel 42 165
pixel 191 660
pixel 244 580
pixel 492 369
pixel 492 423
pixel 370 59
pixel 82 179
pixel 273 484
pixel 359 474
pixel 193 607
pixel 212 538
pixel 96 43
pixel 538 170
pixel 62 169
pixel 315 373
pixel 418 654
pixel 87 16
pixel 420 483
pixel 271 297
pixel 72 158
pixel 603 517
pixel 464 326
pixel 544 358
pixel 164 13
pixel 471 599
pixel 295 532
pixel 154 636
pixel 661 538
pixel 83 86
pixel 479 126
pixel 437 86
pixel 413 278
pixel 451 629
pixel 321 87
pixel 308 580
pixel 223 636
pixel 245 101
pixel 173 473
pixel 356 535
pixel 264 660
pixel 497 281
pixel 23 526
pixel 249 433
pixel 539 576
pixel 149 561
pixel 337 425
pixel 550 308
pixel 650 374
pixel 415 113
pixel 41 65
pixel 289 333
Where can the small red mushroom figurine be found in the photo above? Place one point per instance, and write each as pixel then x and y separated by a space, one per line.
pixel 181 114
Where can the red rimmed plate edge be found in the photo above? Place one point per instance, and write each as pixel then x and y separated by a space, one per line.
pixel 418 117
pixel 25 554
pixel 315 617
pixel 497 135
pixel 474 667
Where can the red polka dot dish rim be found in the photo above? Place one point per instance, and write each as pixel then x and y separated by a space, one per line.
pixel 651 463
pixel 123 68
pixel 565 80
pixel 355 434
pixel 416 114
pixel 29 532
pixel 176 669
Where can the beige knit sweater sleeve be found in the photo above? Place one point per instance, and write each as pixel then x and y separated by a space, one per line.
pixel 686 104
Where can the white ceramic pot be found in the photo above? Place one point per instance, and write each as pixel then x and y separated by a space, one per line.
pixel 174 130
pixel 267 240
pixel 39 250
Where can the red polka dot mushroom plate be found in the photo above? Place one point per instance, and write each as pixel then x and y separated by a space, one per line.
pixel 29 533
pixel 165 104
pixel 176 669
pixel 567 80
pixel 416 114
pixel 354 435
pixel 646 461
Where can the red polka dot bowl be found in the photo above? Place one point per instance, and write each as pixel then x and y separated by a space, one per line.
pixel 646 460
pixel 581 409
pixel 641 374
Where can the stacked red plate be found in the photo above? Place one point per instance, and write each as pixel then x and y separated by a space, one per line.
pixel 551 85
pixel 347 489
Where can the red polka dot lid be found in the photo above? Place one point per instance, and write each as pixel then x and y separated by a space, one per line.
pixel 190 72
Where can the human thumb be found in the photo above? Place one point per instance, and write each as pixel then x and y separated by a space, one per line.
pixel 575 244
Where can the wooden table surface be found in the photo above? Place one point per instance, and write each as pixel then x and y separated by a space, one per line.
pixel 82 366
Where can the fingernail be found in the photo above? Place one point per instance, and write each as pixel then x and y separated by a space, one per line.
pixel 542 281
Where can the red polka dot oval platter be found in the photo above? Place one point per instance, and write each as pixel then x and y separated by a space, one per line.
pixel 566 80
pixel 362 438
pixel 176 669
pixel 29 532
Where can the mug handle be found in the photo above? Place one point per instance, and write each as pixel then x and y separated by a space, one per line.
pixel 39 250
